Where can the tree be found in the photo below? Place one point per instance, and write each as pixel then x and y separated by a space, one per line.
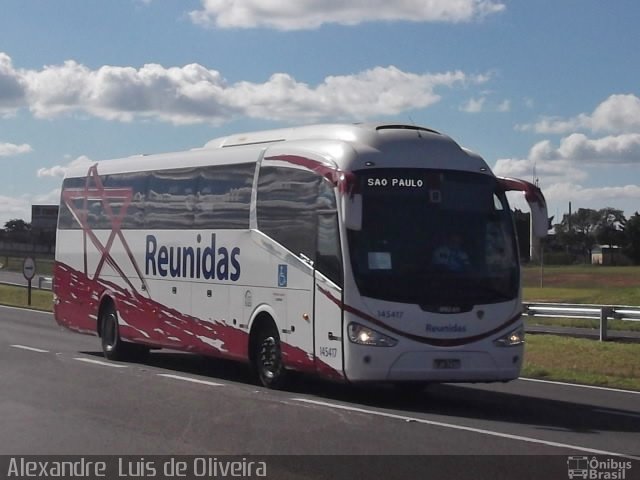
pixel 16 225
pixel 610 227
pixel 632 238
pixel 577 231
pixel 17 230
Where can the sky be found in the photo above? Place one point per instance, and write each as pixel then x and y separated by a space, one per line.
pixel 545 89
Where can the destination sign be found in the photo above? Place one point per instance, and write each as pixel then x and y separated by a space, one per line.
pixel 395 182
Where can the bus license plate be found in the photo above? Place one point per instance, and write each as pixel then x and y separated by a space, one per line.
pixel 446 363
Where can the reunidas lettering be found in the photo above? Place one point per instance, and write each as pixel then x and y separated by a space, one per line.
pixel 451 328
pixel 193 261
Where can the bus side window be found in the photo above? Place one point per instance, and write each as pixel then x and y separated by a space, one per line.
pixel 170 199
pixel 328 255
pixel 137 182
pixel 286 207
pixel 223 196
pixel 66 220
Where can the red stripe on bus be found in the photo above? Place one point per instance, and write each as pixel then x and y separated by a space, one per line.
pixel 152 323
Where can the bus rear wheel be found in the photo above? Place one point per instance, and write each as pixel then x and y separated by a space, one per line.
pixel 113 347
pixel 267 358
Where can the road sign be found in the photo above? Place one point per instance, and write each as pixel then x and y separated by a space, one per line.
pixel 29 271
pixel 29 268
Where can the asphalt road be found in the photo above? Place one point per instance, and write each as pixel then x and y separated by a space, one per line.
pixel 17 278
pixel 59 396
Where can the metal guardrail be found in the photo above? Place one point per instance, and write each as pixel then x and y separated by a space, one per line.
pixel 45 283
pixel 603 313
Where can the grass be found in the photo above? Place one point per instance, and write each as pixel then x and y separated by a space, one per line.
pixel 17 297
pixel 577 360
pixel 582 284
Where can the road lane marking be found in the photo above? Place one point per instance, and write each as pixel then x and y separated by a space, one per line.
pixel 189 379
pixel 465 428
pixel 31 349
pixel 616 412
pixel 99 362
pixel 594 387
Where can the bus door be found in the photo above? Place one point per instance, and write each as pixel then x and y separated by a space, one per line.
pixel 328 341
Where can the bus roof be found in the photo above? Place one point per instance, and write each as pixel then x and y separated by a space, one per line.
pixel 364 138
pixel 363 133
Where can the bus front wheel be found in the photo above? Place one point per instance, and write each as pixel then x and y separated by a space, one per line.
pixel 267 357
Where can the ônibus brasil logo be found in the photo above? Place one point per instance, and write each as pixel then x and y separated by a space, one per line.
pixel 592 468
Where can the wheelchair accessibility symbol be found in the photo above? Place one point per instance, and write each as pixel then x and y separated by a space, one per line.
pixel 282 275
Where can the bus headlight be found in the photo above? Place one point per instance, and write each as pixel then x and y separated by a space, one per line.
pixel 367 336
pixel 511 339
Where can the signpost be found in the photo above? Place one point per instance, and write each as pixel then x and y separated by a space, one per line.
pixel 29 271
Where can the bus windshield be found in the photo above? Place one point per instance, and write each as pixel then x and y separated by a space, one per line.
pixel 441 239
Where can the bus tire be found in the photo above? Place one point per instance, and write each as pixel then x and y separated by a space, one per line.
pixel 267 358
pixel 113 347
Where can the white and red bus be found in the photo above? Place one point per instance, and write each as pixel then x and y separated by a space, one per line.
pixel 353 252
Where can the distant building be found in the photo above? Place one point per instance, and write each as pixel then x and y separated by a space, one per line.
pixel 44 219
pixel 608 255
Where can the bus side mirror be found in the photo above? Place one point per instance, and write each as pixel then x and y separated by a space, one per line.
pixel 539 219
pixel 536 201
pixel 351 206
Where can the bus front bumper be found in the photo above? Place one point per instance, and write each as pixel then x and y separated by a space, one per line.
pixel 497 365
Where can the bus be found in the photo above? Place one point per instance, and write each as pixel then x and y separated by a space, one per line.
pixel 357 253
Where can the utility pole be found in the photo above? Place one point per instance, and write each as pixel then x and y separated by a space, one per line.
pixel 534 242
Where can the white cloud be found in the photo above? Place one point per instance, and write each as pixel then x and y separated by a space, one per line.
pixel 311 14
pixel 60 170
pixel 594 197
pixel 612 149
pixel 474 105
pixel 195 94
pixel 12 90
pixel 13 207
pixel 505 106
pixel 50 198
pixel 548 172
pixel 10 149
pixel 579 149
pixel 571 160
pixel 617 114
pixel 477 105
pixel 563 168
pixel 375 92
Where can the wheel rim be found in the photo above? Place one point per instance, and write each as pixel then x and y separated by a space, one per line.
pixel 109 334
pixel 270 361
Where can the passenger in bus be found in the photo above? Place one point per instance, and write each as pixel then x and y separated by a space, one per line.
pixel 451 256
